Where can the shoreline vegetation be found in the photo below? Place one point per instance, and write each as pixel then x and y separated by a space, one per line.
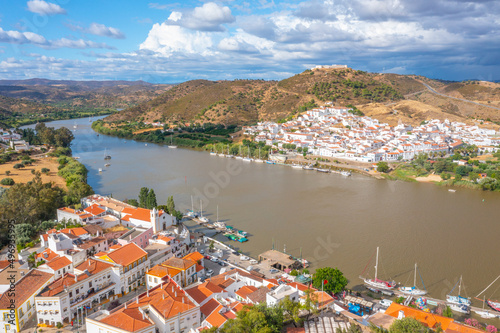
pixel 464 169
pixel 30 200
pixel 19 119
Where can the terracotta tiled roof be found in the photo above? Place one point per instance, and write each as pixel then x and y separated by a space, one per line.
pixel 127 254
pixel 93 266
pixel 74 231
pixel 93 242
pixel 158 271
pixel 216 318
pixel 58 263
pixel 258 296
pixel 194 256
pixel 51 255
pixel 244 291
pixel 94 210
pixel 428 319
pixel 203 291
pixel 209 307
pixel 4 263
pixel 25 288
pixel 179 263
pixel 130 320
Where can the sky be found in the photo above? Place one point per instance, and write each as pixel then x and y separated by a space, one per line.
pixel 175 41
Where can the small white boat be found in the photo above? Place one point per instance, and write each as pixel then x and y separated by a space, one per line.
pixel 308 167
pixel 259 160
pixel 202 218
pixel 107 164
pixel 100 170
pixel 146 144
pixel 486 314
pixel 345 173
pixel 247 159
pixel 297 166
pixel 212 153
pixel 172 146
pixel 459 300
pixel 451 190
pixel 76 157
pixel 460 308
pixel 414 291
pixel 239 157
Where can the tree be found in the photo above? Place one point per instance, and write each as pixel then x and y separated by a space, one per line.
pixel 291 310
pixel 18 166
pixel 170 205
pixel 63 137
pixel 258 319
pixel 46 225
pixel 7 181
pixel 407 325
pixel 7 172
pixel 211 246
pixel 334 278
pixel 143 195
pixel 133 202
pixel 382 167
pixel 151 200
pixel 45 170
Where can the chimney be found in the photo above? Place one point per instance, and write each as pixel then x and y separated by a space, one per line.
pixel 76 278
pixel 162 296
pixel 147 292
pixel 142 315
pixel 183 300
pixel 401 314
pixel 137 299
pixel 176 294
pixel 125 305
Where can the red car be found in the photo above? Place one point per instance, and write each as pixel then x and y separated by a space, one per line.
pixel 207 257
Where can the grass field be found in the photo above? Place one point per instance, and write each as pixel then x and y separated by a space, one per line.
pixel 24 175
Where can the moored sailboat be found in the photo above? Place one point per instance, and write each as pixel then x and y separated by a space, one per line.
pixel 414 291
pixel 458 299
pixel 376 282
pixel 495 305
pixel 202 218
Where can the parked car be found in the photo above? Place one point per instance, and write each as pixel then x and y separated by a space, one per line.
pixel 236 253
pixel 202 251
pixel 207 257
pixel 203 278
pixel 244 258
pixel 214 259
pixel 209 272
pixel 273 271
pixel 385 303
pixel 222 263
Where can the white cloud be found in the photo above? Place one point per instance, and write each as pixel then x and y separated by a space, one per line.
pixel 17 37
pixel 167 39
pixel 102 30
pixel 44 8
pixel 208 17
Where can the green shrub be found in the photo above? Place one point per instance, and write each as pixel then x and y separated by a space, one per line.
pixel 18 166
pixel 45 170
pixel 7 181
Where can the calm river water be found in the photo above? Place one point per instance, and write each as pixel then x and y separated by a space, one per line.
pixel 334 220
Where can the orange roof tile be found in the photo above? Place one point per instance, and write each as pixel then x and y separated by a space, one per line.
pixel 428 319
pixel 158 271
pixel 209 307
pixel 130 320
pixel 127 254
pixel 51 255
pixel 178 263
pixel 58 263
pixel 194 256
pixel 25 288
pixel 203 291
pixel 218 319
pixel 244 291
pixel 94 210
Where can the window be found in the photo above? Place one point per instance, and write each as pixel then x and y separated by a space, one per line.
pixel 21 313
pixel 156 280
pixel 77 291
pixel 5 316
pixel 129 267
pixel 172 327
pixel 90 284
pixel 135 264
pixel 70 294
pixel 7 328
pixel 29 305
pixel 64 270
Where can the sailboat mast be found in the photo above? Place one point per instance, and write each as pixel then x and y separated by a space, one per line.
pixel 415 276
pixel 217 213
pixel 460 285
pixel 201 205
pixel 192 204
pixel 376 265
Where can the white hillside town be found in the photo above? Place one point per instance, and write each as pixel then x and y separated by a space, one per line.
pixel 338 132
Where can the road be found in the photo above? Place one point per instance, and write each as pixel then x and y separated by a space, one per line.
pixel 432 90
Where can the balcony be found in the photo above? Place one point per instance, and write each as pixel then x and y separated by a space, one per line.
pixel 98 291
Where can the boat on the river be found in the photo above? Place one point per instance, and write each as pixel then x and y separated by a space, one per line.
pixel 495 305
pixel 460 308
pixel 458 299
pixel 202 218
pixel 259 160
pixel 191 213
pixel 414 291
pixel 172 146
pixel 486 314
pixel 106 156
pixel 345 173
pixel 297 166
pixel 376 282
pixel 100 169
pixel 308 167
pixel 323 170
pixel 107 164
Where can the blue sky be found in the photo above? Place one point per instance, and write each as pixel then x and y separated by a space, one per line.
pixel 175 41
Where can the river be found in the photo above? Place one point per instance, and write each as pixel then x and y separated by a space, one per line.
pixel 334 220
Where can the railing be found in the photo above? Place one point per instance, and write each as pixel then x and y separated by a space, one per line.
pixel 80 300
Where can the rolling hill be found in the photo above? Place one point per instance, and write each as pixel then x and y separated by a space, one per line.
pixel 388 97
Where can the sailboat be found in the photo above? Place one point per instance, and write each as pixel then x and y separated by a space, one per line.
pixel 248 159
pixel 213 153
pixel 171 142
pixel 106 156
pixel 376 282
pixel 239 157
pixel 202 218
pixel 495 305
pixel 219 224
pixel 460 300
pixel 485 314
pixel 191 213
pixel 259 159
pixel 228 153
pixel 414 291
pixel 75 126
